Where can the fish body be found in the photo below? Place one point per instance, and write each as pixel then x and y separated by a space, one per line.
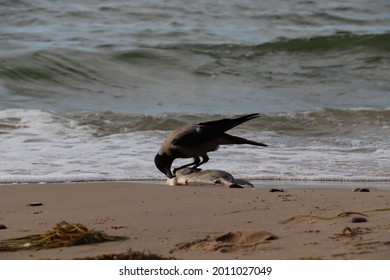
pixel 190 177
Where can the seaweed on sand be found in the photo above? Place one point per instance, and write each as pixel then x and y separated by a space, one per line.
pixel 130 255
pixel 63 234
pixel 351 232
pixel 342 214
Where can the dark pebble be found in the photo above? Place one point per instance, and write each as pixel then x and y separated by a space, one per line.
pixel 276 190
pixel 361 190
pixel 2 226
pixel 359 220
pixel 36 204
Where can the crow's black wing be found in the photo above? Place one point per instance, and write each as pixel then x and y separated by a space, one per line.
pixel 204 132
pixel 195 136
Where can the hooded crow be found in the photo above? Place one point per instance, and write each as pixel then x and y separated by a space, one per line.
pixel 195 141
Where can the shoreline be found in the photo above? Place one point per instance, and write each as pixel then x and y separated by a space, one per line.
pixel 257 183
pixel 306 223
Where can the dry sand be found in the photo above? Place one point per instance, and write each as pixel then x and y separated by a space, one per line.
pixel 202 222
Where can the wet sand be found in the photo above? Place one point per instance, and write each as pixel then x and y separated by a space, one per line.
pixel 210 222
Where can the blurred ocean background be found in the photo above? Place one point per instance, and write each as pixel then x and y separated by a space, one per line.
pixel 89 89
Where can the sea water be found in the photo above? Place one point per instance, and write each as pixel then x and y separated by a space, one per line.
pixel 89 90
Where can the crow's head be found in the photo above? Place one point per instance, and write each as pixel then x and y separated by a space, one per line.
pixel 163 163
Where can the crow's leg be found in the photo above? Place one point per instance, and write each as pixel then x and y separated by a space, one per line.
pixel 205 159
pixel 195 163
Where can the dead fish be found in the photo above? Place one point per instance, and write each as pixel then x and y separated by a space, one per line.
pixel 191 177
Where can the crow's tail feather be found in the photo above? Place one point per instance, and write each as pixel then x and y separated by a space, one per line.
pixel 230 139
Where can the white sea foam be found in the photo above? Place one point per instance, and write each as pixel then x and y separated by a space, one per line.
pixel 38 146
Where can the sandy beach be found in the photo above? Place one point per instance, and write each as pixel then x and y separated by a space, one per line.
pixel 202 222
